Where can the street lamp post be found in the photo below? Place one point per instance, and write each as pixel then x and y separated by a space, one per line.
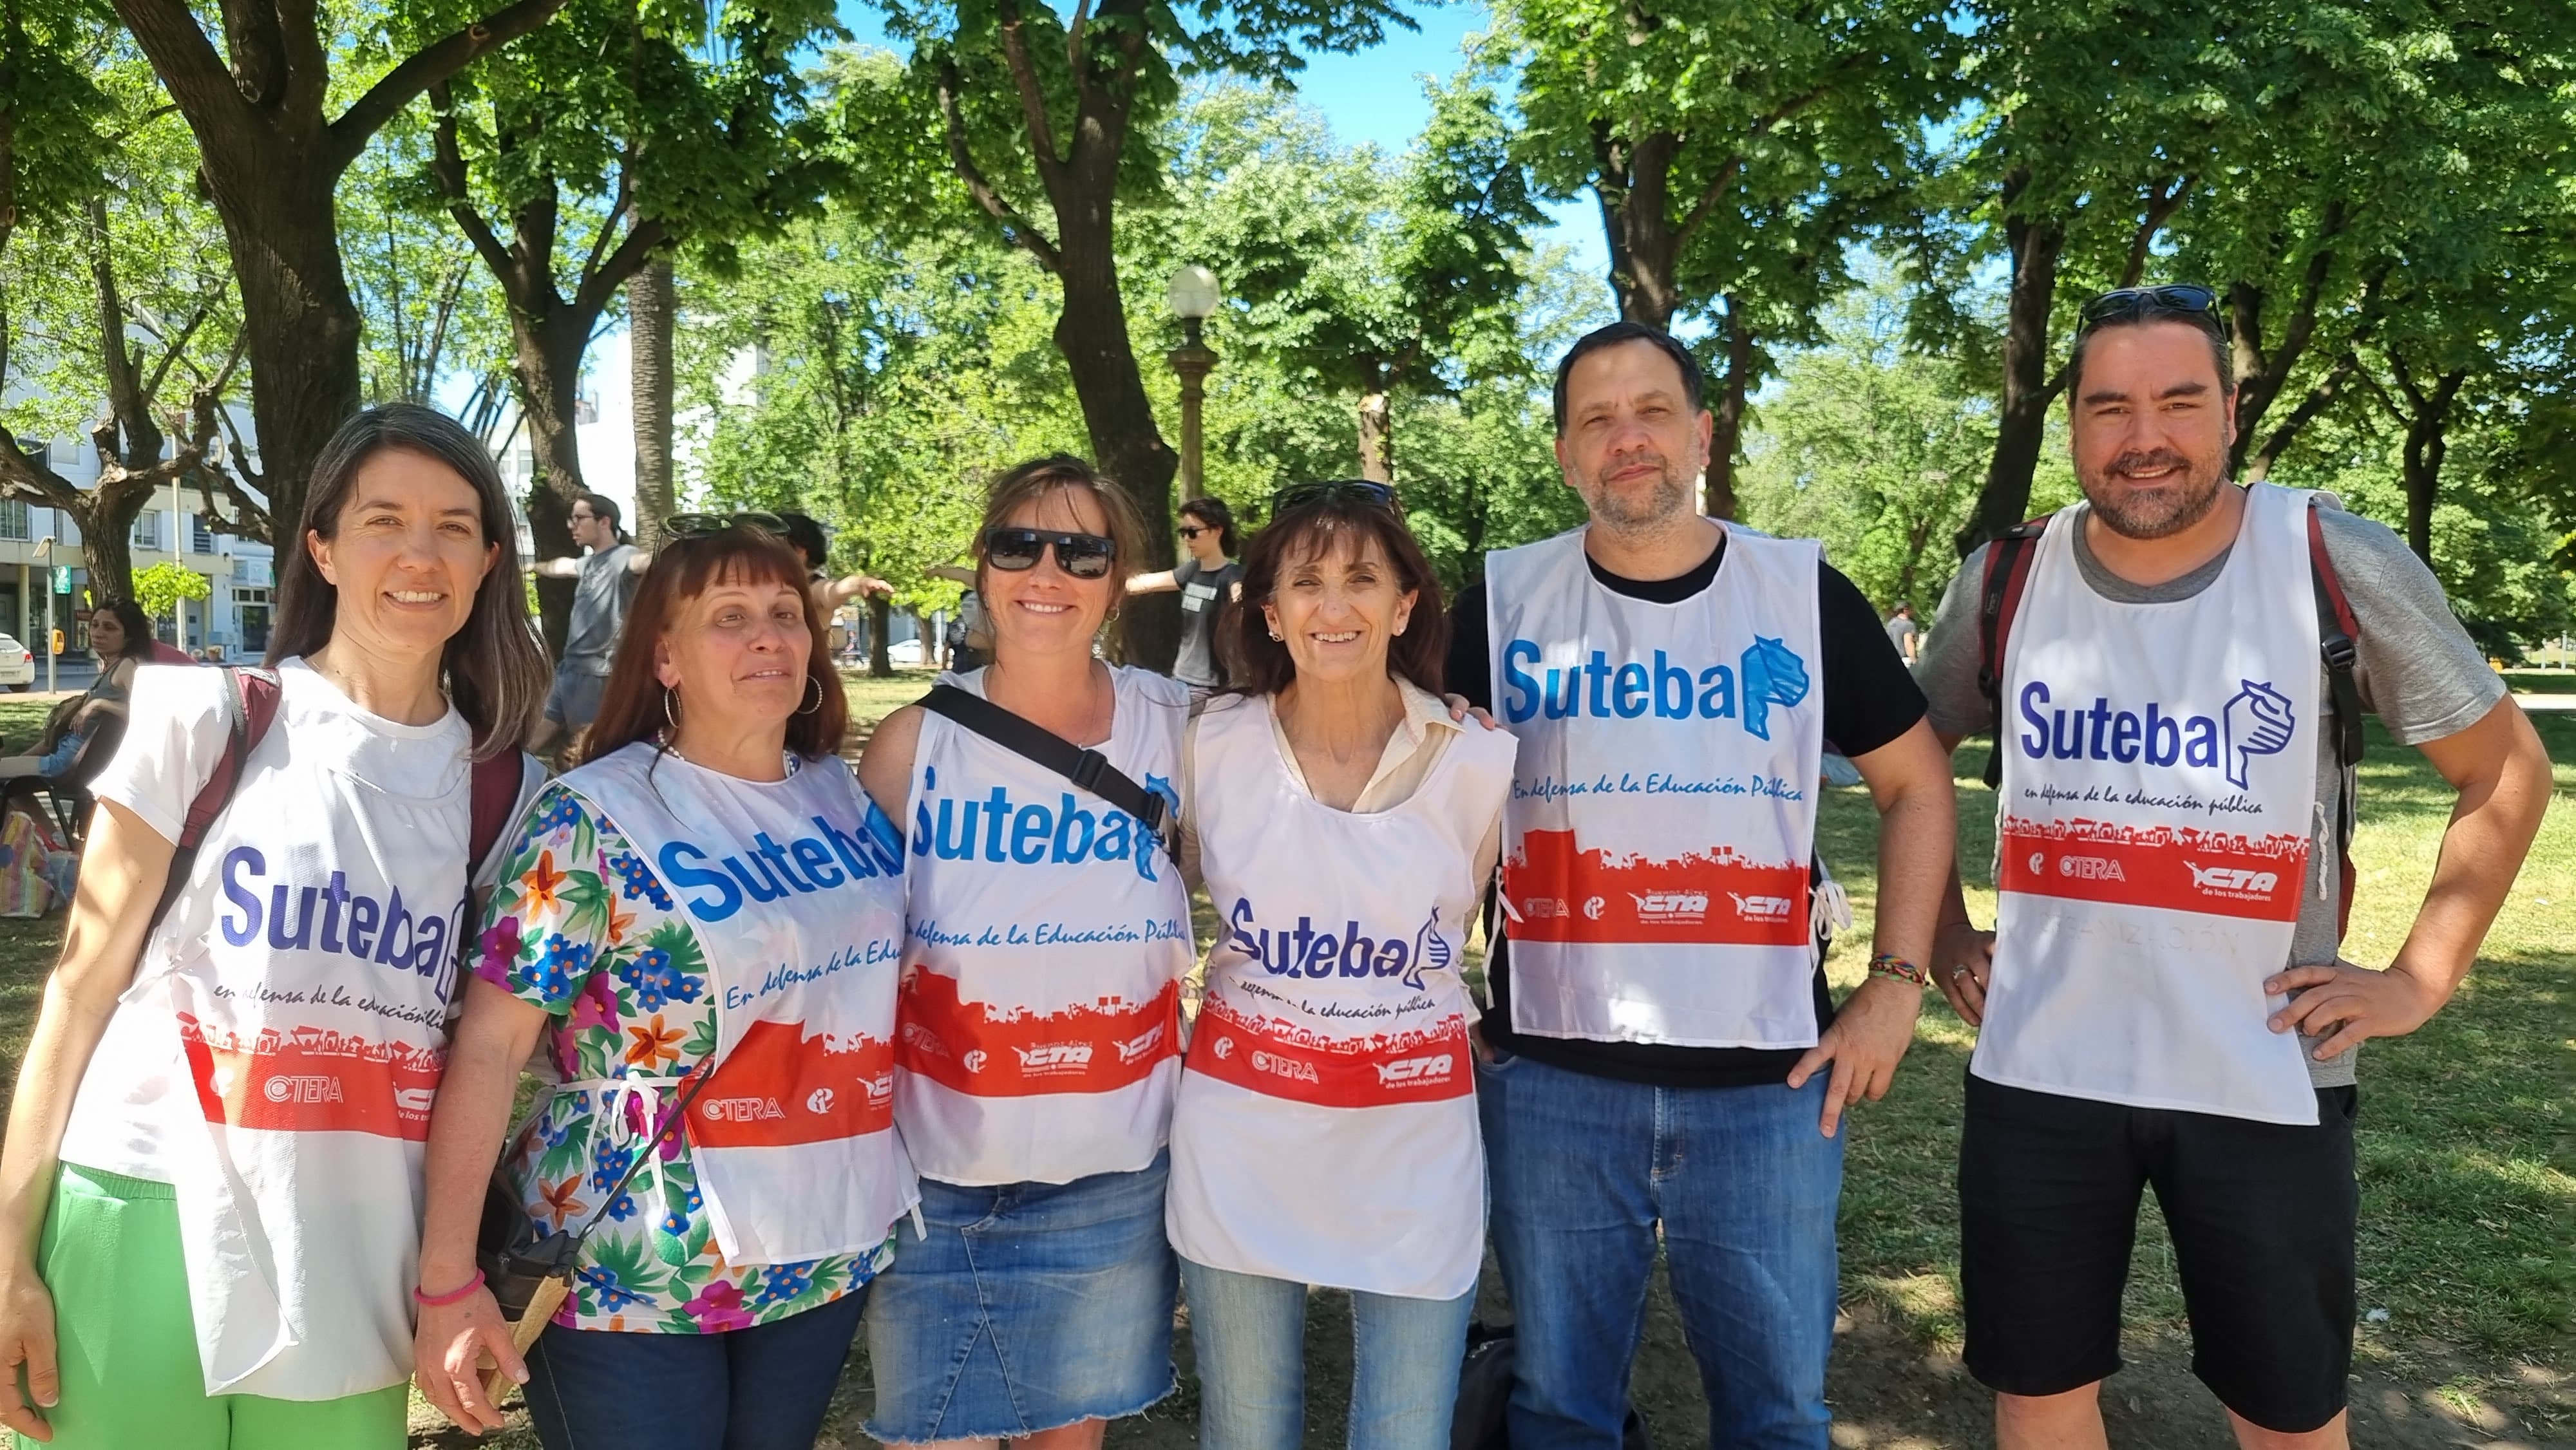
pixel 1193 296
pixel 45 557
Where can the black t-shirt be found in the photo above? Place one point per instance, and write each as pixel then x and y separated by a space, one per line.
pixel 1205 593
pixel 1869 700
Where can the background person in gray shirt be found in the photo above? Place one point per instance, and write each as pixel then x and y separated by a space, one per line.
pixel 1209 581
pixel 608 574
pixel 2261 1203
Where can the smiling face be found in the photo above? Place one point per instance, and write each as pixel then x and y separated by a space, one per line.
pixel 1338 609
pixel 2151 426
pixel 406 554
pixel 736 654
pixel 1042 609
pixel 1633 446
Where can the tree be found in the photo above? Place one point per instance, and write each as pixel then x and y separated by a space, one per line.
pixel 47 169
pixel 600 142
pixel 272 155
pixel 1028 115
pixel 651 302
pixel 1361 276
pixel 160 589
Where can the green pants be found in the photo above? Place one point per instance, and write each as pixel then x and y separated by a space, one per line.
pixel 127 1340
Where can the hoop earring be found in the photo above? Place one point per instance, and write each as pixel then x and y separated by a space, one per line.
pixel 668 695
pixel 818 696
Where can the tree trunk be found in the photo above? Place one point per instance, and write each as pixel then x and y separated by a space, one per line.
pixel 546 357
pixel 1091 332
pixel 651 303
pixel 107 552
pixel 2023 421
pixel 301 324
pixel 2427 442
pixel 880 620
pixel 1634 188
pixel 1377 424
pixel 1718 498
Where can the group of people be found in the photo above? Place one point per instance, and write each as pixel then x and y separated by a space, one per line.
pixel 909 1050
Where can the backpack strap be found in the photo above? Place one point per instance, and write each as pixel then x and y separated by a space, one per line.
pixel 2338 629
pixel 2009 557
pixel 1087 769
pixel 495 790
pixel 248 700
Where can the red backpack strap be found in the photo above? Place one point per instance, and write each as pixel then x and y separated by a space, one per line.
pixel 495 792
pixel 2009 558
pixel 249 700
pixel 2338 630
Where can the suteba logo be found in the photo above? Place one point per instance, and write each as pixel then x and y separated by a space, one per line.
pixel 767 870
pixel 1285 952
pixel 329 918
pixel 1769 673
pixel 2256 720
pixel 1005 830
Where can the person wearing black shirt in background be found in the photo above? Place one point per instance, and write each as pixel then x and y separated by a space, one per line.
pixel 1661 1047
pixel 1209 581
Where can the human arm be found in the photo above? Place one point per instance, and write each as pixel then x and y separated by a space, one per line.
pixel 831 594
pixel 885 768
pixel 123 867
pixel 466 1129
pixel 1963 955
pixel 953 573
pixel 2501 773
pixel 556 568
pixel 1162 581
pixel 1909 781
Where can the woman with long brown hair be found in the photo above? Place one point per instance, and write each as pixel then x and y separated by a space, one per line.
pixel 218 1122
pixel 703 922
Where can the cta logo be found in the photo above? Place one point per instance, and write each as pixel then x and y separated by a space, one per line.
pixel 1409 1070
pixel 1762 908
pixel 1052 1059
pixel 2235 882
pixel 2256 720
pixel 879 1090
pixel 1671 908
pixel 1766 674
pixel 1142 1045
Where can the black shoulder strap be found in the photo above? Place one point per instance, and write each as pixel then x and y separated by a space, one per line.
pixel 249 703
pixel 2009 557
pixel 1088 769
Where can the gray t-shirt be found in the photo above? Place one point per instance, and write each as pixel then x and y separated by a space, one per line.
pixel 2418 672
pixel 1204 594
pixel 600 599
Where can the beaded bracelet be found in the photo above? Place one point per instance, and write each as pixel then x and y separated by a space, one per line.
pixel 441 1301
pixel 1888 964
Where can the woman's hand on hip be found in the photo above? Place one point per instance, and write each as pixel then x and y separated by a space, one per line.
pixel 448 1354
pixel 27 1342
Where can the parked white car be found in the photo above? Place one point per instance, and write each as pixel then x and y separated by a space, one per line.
pixel 17 664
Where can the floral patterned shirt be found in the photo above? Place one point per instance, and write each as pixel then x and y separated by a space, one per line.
pixel 579 925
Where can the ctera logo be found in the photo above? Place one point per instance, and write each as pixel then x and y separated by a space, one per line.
pixel 1769 673
pixel 1305 951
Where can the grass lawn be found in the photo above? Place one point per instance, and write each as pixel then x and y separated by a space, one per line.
pixel 2542 682
pixel 2467 1140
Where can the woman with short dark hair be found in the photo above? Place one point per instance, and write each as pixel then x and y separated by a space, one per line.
pixel 1209 582
pixel 1326 1130
pixel 210 1191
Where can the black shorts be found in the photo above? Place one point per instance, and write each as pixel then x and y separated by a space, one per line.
pixel 2262 1221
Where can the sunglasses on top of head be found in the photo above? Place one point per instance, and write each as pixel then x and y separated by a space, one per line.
pixel 692 526
pixel 2138 304
pixel 1014 550
pixel 1355 490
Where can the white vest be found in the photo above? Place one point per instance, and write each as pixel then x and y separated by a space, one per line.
pixel 2153 830
pixel 1326 1132
pixel 796 890
pixel 1663 811
pixel 1048 935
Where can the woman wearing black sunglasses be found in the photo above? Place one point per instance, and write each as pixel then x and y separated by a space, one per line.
pixel 1209 582
pixel 1038 1036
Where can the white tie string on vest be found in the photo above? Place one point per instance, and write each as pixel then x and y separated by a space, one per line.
pixel 1662 819
pixel 2157 813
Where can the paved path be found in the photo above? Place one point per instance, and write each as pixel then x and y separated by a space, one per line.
pixel 2546 702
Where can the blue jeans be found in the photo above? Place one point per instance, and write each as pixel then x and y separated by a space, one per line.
pixel 762 1388
pixel 1583 1168
pixel 1250 1335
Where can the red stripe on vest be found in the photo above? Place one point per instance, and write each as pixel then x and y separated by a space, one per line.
pixel 1569 895
pixel 1010 1052
pixel 782 1085
pixel 312 1080
pixel 1360 1072
pixel 2178 869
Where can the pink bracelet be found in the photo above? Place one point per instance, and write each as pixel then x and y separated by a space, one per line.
pixel 441 1301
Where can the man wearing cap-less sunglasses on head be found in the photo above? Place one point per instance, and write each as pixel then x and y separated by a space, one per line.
pixel 2175 670
pixel 1662 1050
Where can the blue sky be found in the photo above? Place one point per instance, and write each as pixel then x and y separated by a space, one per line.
pixel 1377 96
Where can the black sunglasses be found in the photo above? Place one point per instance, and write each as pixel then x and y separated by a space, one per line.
pixel 1192 531
pixel 1300 495
pixel 1084 556
pixel 693 526
pixel 2136 304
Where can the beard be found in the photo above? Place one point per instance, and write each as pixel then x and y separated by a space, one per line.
pixel 2159 510
pixel 1619 507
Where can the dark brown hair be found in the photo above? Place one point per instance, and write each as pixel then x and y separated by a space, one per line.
pixel 1213 513
pixel 496 675
pixel 1039 477
pixel 1261 665
pixel 636 705
pixel 138 629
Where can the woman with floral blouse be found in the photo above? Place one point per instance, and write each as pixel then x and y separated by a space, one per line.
pixel 709 898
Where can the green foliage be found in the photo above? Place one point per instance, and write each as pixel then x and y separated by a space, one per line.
pixel 55 117
pixel 160 588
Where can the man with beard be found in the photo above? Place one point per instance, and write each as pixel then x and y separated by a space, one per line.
pixel 1661 1051
pixel 2162 1001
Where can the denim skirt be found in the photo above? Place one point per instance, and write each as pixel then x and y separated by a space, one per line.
pixel 1026 1307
